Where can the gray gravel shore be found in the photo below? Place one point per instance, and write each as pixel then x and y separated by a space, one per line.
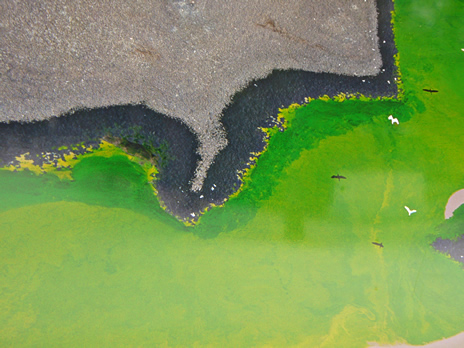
pixel 185 59
pixel 453 248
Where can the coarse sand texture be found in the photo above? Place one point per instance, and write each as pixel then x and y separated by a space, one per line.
pixel 185 59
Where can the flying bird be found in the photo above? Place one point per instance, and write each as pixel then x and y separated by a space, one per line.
pixel 410 211
pixel 338 177
pixel 393 119
pixel 379 244
pixel 430 90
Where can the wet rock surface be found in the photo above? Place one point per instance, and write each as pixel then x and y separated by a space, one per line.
pixel 184 59
pixel 454 226
pixel 453 248
pixel 250 108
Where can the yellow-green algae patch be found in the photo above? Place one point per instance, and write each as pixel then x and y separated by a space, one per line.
pixel 64 166
pixel 289 261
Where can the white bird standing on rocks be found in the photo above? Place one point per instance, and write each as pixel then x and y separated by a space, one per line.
pixel 410 211
pixel 393 119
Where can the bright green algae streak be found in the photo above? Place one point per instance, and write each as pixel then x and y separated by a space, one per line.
pixel 289 261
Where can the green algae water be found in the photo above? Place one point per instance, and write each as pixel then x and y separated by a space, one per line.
pixel 289 261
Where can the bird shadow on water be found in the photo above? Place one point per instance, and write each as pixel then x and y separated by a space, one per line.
pixel 309 124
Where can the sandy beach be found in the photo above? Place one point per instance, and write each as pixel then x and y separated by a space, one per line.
pixel 185 59
pixel 454 202
pixel 451 342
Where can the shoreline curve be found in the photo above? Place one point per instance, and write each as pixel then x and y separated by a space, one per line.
pixel 454 202
pixel 250 108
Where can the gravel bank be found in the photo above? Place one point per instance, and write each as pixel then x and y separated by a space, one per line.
pixel 185 59
pixel 453 248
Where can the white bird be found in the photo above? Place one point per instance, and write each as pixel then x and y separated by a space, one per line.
pixel 410 211
pixel 393 119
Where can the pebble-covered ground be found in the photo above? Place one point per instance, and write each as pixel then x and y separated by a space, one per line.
pixel 185 59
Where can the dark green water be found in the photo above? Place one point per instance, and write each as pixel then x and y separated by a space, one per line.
pixel 289 261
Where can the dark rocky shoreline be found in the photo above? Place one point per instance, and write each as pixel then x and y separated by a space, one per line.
pixel 249 109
